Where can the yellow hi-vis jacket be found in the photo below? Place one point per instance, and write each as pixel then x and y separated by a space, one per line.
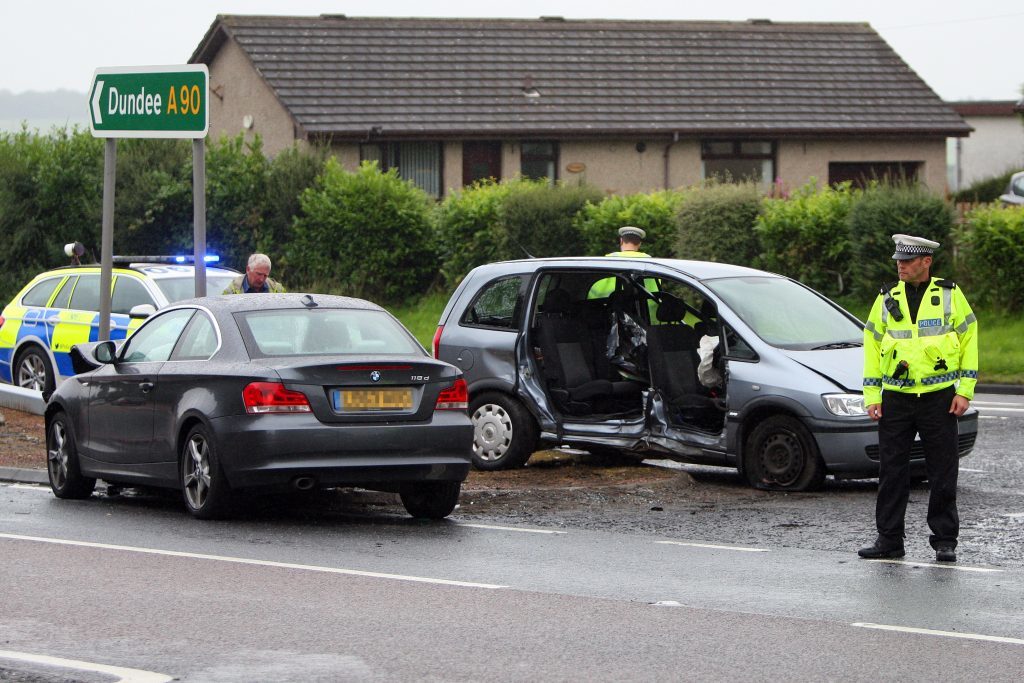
pixel 940 349
pixel 604 288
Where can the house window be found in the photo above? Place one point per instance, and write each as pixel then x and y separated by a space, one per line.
pixel 739 160
pixel 862 173
pixel 419 162
pixel 539 160
pixel 480 160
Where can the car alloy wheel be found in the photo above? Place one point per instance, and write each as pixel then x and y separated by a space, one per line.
pixel 196 471
pixel 203 486
pixel 66 480
pixel 34 371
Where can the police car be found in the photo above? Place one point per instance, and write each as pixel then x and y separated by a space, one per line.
pixel 60 308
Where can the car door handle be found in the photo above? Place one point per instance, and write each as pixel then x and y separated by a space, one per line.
pixel 146 387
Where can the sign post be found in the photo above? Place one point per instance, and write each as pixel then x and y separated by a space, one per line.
pixel 150 102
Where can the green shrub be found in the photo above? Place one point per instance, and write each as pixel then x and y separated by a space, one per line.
pixel 236 197
pixel 365 234
pixel 469 228
pixel 991 251
pixel 806 238
pixel 986 189
pixel 291 172
pixel 538 218
pixel 884 210
pixel 716 222
pixel 153 212
pixel 598 222
pixel 50 194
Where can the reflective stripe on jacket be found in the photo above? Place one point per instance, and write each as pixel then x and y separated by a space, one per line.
pixel 940 348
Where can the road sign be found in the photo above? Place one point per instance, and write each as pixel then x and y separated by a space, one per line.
pixel 150 101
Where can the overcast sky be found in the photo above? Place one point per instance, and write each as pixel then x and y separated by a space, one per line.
pixel 964 50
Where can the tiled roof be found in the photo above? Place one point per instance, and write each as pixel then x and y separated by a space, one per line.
pixel 438 77
pixel 983 107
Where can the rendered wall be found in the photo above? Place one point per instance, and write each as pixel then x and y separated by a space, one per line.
pixel 995 146
pixel 799 161
pixel 237 91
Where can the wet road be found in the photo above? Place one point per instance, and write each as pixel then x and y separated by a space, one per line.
pixel 134 583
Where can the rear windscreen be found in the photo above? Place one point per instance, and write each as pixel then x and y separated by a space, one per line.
pixel 324 331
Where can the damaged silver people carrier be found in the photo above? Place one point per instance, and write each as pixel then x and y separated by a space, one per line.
pixel 660 358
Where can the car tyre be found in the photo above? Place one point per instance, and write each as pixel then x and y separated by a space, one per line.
pixel 204 488
pixel 504 432
pixel 66 479
pixel 33 370
pixel 781 455
pixel 432 499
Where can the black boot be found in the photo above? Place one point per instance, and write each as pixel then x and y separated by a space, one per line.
pixel 882 548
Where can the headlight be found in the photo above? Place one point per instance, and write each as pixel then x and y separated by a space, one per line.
pixel 847 405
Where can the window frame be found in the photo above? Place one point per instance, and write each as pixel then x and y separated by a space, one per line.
pixel 551 158
pixel 517 308
pixel 738 154
pixel 390 155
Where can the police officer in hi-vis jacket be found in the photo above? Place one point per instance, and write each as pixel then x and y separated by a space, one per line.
pixel 920 368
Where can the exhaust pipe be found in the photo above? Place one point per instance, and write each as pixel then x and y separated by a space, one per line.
pixel 304 483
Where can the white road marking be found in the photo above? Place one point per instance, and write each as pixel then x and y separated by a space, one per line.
pixel 993 417
pixel 941 565
pixel 512 528
pixel 945 634
pixel 992 403
pixel 258 563
pixel 1014 515
pixel 1005 410
pixel 123 675
pixel 717 547
pixel 30 487
pixel 968 469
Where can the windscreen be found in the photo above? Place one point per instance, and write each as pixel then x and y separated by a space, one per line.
pixel 786 314
pixel 181 288
pixel 325 331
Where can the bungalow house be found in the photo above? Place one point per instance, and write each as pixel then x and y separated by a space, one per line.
pixel 627 106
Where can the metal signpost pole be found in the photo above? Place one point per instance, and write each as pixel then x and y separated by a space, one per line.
pixel 107 236
pixel 199 213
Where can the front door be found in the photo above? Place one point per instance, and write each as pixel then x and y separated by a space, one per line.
pixel 480 160
pixel 122 394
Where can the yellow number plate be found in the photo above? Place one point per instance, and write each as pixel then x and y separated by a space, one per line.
pixel 347 400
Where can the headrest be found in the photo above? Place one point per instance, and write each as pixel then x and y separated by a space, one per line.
pixel 671 309
pixel 557 301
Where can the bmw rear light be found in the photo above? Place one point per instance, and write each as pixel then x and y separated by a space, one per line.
pixel 272 397
pixel 436 344
pixel 455 397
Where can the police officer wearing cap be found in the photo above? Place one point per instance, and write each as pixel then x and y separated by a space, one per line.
pixel 629 247
pixel 629 242
pixel 920 368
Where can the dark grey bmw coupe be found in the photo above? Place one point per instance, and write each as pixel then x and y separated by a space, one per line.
pixel 263 392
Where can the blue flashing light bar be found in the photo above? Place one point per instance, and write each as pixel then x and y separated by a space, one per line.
pixel 208 258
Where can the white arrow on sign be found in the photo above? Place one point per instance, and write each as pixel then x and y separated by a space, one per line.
pixel 97 114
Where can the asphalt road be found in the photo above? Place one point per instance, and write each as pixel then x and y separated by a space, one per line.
pixel 337 594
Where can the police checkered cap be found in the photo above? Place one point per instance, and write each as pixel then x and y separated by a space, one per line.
pixel 630 231
pixel 908 247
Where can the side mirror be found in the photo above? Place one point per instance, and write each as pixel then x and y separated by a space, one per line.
pixel 142 311
pixel 106 352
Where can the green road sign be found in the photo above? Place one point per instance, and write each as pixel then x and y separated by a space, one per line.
pixel 150 101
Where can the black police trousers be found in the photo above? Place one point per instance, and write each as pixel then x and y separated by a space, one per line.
pixel 903 416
